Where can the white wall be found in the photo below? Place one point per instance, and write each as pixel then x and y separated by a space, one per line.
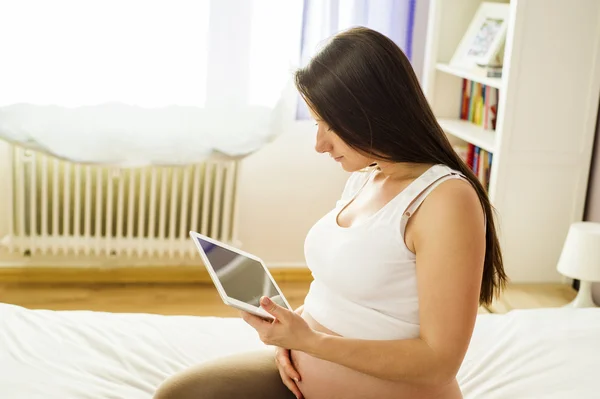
pixel 283 190
pixel 592 211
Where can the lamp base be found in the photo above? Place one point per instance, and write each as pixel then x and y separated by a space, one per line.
pixel 584 297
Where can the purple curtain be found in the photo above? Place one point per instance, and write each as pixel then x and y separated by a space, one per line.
pixel 324 18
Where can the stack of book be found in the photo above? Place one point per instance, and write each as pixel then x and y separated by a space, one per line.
pixel 479 104
pixel 478 159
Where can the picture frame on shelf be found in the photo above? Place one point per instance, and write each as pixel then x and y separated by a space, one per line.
pixel 482 44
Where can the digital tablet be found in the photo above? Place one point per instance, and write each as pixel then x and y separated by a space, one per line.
pixel 241 278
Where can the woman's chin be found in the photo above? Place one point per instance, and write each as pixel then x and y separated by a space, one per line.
pixel 351 168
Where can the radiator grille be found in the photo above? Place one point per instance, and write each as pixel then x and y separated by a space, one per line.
pixel 59 207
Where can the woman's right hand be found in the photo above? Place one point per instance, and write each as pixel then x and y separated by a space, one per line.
pixel 289 375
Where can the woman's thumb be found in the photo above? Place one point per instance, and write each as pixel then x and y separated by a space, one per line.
pixel 271 306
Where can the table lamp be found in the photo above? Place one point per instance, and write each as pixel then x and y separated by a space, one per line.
pixel 580 259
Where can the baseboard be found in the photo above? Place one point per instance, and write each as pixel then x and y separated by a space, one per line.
pixel 132 275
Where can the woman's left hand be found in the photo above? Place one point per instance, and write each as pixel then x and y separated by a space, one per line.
pixel 289 330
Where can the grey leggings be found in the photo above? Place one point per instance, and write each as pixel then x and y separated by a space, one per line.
pixel 252 375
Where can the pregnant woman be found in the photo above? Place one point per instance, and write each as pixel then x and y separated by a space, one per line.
pixel 400 264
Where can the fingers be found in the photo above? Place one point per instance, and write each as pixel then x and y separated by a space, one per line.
pixel 287 371
pixel 253 320
pixel 275 310
pixel 285 362
pixel 290 384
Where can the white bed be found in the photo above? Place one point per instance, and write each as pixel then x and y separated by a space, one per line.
pixel 545 353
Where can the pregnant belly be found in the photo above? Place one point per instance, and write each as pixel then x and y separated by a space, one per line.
pixel 322 379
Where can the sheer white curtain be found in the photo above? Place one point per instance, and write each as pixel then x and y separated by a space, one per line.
pixel 324 18
pixel 159 78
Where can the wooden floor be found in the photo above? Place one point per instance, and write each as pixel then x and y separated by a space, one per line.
pixel 203 300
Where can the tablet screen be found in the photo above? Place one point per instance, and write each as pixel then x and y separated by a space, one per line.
pixel 242 278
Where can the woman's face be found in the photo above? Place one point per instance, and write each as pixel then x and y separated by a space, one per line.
pixel 329 142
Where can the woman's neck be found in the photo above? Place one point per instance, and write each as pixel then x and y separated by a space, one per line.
pixel 402 170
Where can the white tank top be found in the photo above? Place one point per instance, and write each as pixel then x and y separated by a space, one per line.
pixel 365 283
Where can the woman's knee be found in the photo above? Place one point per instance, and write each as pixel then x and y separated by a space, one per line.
pixel 183 385
pixel 210 380
pixel 251 375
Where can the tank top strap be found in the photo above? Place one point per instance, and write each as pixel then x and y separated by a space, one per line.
pixel 395 210
pixel 424 185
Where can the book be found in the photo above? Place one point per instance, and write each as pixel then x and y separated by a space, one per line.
pixel 479 104
pixel 478 160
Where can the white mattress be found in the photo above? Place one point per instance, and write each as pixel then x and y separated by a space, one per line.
pixel 547 353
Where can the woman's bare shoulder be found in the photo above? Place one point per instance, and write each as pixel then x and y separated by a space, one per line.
pixel 454 204
pixel 455 192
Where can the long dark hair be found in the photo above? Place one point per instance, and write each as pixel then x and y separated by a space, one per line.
pixel 364 87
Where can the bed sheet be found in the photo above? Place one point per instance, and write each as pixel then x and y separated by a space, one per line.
pixel 545 353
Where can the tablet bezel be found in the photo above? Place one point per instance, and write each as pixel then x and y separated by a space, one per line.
pixel 258 311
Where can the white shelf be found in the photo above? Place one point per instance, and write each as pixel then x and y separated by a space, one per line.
pixel 463 73
pixel 470 132
pixel 543 147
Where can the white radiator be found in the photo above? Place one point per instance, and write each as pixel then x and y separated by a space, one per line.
pixel 63 210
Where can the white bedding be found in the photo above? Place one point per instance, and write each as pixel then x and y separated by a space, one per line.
pixel 546 353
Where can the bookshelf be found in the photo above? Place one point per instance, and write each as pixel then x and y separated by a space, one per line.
pixel 469 133
pixel 541 142
pixel 462 73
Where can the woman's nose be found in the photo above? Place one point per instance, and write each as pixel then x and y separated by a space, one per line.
pixel 322 145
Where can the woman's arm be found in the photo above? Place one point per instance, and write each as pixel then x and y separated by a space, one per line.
pixel 449 240
pixel 448 237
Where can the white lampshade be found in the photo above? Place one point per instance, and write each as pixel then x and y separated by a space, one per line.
pixel 580 257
